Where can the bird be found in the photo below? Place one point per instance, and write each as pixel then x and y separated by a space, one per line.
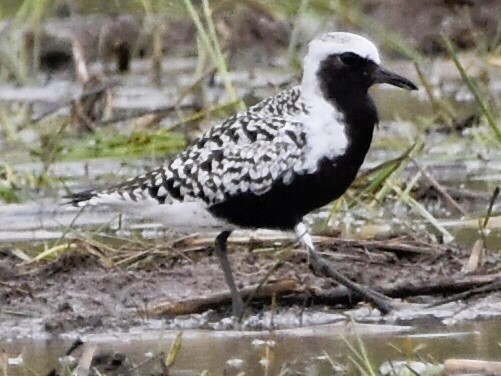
pixel 272 164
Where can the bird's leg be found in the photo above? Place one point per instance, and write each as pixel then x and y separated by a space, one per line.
pixel 220 247
pixel 320 265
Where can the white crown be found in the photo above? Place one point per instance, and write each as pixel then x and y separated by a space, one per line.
pixel 340 42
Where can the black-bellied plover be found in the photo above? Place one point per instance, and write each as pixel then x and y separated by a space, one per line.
pixel 269 166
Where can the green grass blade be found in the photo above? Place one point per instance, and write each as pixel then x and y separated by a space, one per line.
pixel 472 86
pixel 422 211
pixel 209 39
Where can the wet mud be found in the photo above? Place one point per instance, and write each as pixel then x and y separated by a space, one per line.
pixel 88 289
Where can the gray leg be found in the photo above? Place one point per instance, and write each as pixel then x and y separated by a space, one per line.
pixel 220 246
pixel 322 266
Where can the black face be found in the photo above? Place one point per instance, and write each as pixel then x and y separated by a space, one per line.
pixel 339 73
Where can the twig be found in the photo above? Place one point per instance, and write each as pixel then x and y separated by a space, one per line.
pixel 161 112
pixel 463 194
pixel 382 245
pixel 494 197
pixel 440 189
pixel 81 70
pixel 471 366
pixel 21 291
pixel 203 114
pixel 83 367
pixel 75 345
pixel 197 305
pixel 185 91
pixel 79 98
pixel 483 225
pixel 341 295
pixel 446 285
pixel 494 286
pixel 134 257
pixel 372 245
pixel 17 313
pixel 476 256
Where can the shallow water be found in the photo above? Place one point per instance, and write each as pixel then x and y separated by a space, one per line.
pixel 302 349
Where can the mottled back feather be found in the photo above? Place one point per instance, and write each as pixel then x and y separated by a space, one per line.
pixel 245 153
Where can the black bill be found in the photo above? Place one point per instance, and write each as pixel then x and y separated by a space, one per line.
pixel 384 76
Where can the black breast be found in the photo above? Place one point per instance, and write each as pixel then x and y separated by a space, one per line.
pixel 284 205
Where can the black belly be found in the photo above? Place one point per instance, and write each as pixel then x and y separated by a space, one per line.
pixel 284 205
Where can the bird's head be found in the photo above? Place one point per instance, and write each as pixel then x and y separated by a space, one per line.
pixel 339 62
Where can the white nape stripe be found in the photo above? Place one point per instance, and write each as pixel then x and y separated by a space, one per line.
pixel 323 125
pixel 325 133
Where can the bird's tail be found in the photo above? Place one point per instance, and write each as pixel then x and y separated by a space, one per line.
pixel 81 199
pixel 132 191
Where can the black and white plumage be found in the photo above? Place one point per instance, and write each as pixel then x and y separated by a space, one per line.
pixel 284 157
pixel 243 156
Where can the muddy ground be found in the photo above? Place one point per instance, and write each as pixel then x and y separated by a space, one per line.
pixel 86 290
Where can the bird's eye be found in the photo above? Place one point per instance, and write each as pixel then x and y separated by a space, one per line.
pixel 349 58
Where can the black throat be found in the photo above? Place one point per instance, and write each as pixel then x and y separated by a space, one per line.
pixel 349 95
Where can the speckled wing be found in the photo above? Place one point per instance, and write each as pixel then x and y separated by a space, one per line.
pixel 246 153
pixel 213 175
pixel 252 125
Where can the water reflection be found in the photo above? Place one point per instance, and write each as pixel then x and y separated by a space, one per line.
pixel 295 349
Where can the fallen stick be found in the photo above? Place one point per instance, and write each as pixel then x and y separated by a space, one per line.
pixel 462 366
pixel 84 364
pixel 197 305
pixel 440 189
pixel 463 194
pixel 383 245
pixel 15 288
pixel 341 295
pixel 476 256
pixel 296 294
pixel 445 285
pixel 490 287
